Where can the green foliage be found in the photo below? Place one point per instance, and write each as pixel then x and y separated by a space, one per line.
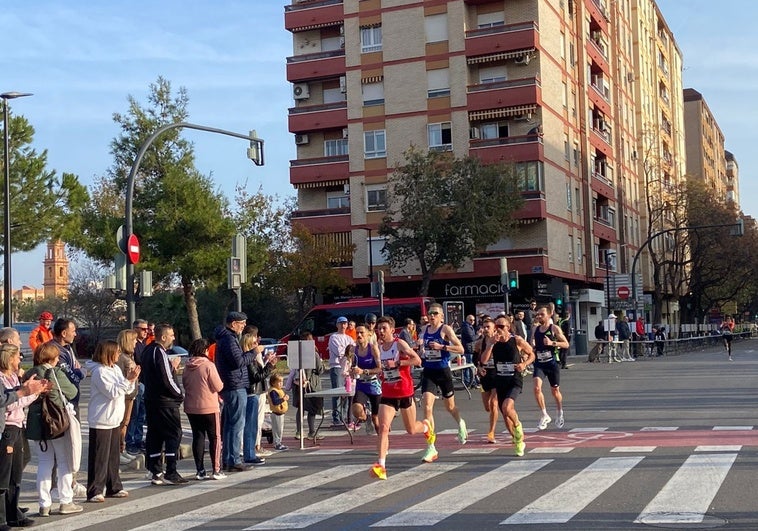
pixel 444 210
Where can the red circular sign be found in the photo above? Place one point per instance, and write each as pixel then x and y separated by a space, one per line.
pixel 623 292
pixel 132 249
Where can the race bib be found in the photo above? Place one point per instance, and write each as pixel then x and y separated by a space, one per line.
pixel 505 369
pixel 546 355
pixel 432 355
pixel 391 375
pixel 365 377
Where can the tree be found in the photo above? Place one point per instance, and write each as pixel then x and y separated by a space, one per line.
pixel 182 221
pixel 43 205
pixel 443 210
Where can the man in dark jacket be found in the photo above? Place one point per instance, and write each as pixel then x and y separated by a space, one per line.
pixel 232 364
pixel 163 397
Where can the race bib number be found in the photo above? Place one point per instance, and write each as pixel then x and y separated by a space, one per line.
pixel 432 355
pixel 365 377
pixel 391 375
pixel 545 356
pixel 505 369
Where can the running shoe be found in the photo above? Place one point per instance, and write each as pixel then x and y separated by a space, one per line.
pixel 491 437
pixel 544 421
pixel 379 471
pixel 462 433
pixel 518 451
pixel 431 455
pixel 431 437
pixel 559 421
pixel 218 475
pixel 518 434
pixel 201 475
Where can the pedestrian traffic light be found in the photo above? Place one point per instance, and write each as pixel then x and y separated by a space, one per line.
pixel 559 301
pixel 512 279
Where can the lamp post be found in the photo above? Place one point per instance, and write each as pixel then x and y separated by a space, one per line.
pixel 7 283
pixel 608 254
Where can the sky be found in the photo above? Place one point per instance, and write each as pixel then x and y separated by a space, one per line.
pixel 82 59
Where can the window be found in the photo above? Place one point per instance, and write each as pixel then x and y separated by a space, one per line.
pixel 373 93
pixel 335 148
pixel 571 249
pixel 374 144
pixel 376 197
pixel 438 82
pixel 568 195
pixel 376 246
pixel 371 39
pixel 494 130
pixel 440 136
pixel 337 200
pixel 566 148
pixel 577 198
pixel 492 74
pixel 579 251
pixel 334 95
pixel 490 20
pixel 436 27
pixel 530 176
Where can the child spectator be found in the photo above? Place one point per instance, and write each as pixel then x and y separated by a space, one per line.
pixel 278 402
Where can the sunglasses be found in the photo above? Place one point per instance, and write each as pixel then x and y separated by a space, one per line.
pixel 143 329
pixel 500 326
pixel 434 313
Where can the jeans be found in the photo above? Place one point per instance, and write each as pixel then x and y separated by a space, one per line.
pixel 251 428
pixel 335 375
pixel 468 374
pixel 235 404
pixel 134 431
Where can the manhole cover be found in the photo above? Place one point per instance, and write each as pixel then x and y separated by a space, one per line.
pixel 682 520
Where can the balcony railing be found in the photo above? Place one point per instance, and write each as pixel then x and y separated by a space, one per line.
pixel 318 108
pixel 602 178
pixel 321 212
pixel 510 83
pixel 306 4
pixel 315 56
pixel 506 140
pixel 506 28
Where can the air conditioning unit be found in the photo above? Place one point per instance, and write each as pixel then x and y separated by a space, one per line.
pixel 474 133
pixel 343 84
pixel 301 140
pixel 523 59
pixel 300 91
pixel 344 132
pixel 526 117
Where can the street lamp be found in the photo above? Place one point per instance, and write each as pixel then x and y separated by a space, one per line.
pixel 7 289
pixel 608 254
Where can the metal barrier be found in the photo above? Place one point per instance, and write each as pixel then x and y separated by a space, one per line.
pixel 673 347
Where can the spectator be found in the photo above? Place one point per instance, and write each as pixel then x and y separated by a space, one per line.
pixel 529 317
pixel 468 338
pixel 278 401
pixel 162 400
pixel 232 363
pixel 624 334
pixel 201 387
pixel 42 333
pixel 105 413
pixel 135 431
pixel 127 340
pixel 351 329
pixel 60 450
pixel 64 333
pixel 12 449
pixel 659 337
pixel 565 325
pixel 257 373
pixel 519 327
pixel 408 333
pixel 310 383
pixel 337 343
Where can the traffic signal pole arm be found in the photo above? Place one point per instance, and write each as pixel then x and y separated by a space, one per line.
pixel 255 151
pixel 739 224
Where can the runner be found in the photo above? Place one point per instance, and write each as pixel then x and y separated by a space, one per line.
pixel 397 391
pixel 548 339
pixel 437 342
pixel 511 355
pixel 366 372
pixel 487 376
pixel 727 331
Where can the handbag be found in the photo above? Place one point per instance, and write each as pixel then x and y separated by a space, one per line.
pixel 55 418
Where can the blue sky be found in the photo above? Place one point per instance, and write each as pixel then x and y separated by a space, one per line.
pixel 81 59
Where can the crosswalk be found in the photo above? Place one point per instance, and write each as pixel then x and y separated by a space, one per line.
pixel 490 490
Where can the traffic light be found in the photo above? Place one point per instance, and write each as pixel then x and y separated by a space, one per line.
pixel 512 279
pixel 559 300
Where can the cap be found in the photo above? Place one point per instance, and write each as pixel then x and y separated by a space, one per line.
pixel 370 318
pixel 342 319
pixel 235 316
pixel 45 316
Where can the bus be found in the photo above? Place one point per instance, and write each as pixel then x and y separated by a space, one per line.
pixel 321 320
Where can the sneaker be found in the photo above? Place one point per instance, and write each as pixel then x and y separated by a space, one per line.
pixel 201 475
pixel 544 421
pixel 158 479
pixel 336 424
pixel 357 426
pixel 281 448
pixel 430 436
pixel 218 475
pixel 297 435
pixel 260 452
pixel 730 358
pixel 518 451
pixel 70 508
pixel 125 459
pixel 120 494
pixel 97 498
pixel 518 434
pixel 174 479
pixel 462 433
pixel 239 467
pixel 80 491
pixel 44 511
pixel 351 426
pixel 315 437
pixel 491 437
pixel 430 455
pixel 559 421
pixel 379 471
pixel 256 461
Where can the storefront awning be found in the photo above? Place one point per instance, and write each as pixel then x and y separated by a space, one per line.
pixel 503 112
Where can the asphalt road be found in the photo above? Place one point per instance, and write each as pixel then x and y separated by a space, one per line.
pixel 658 443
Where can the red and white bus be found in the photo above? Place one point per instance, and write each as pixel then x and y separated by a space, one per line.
pixel 321 320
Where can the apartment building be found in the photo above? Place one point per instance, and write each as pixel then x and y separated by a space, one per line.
pixel 732 180
pixel 552 86
pixel 705 144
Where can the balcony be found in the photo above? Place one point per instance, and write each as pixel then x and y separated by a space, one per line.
pixel 600 96
pixel 316 65
pixel 602 185
pixel 321 171
pixel 598 13
pixel 312 14
pixel 508 149
pixel 510 93
pixel 324 221
pixel 500 39
pixel 534 207
pixel 598 54
pixel 600 138
pixel 603 230
pixel 308 118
